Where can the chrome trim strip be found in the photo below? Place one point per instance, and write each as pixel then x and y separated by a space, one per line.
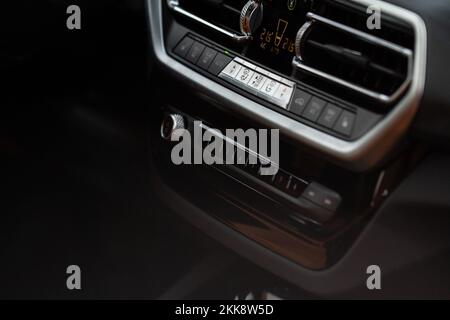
pixel 175 6
pixel 233 143
pixel 372 94
pixel 315 17
pixel 297 62
pixel 358 155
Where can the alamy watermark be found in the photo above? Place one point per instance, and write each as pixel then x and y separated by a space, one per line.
pixel 234 147
pixel 73 281
pixel 74 20
pixel 374 19
pixel 374 280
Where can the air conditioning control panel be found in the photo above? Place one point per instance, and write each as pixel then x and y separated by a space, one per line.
pixel 327 103
pixel 280 93
pixel 316 41
pixel 260 82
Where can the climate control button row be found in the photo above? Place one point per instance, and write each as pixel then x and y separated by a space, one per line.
pixel 323 113
pixel 259 82
pixel 268 86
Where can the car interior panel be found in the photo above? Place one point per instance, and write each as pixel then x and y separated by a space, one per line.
pixel 356 115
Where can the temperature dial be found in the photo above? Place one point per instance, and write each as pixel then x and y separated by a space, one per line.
pixel 251 17
pixel 170 125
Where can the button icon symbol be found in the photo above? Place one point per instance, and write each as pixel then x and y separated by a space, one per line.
pixel 245 74
pixel 270 87
pixel 257 81
pixel 291 4
pixel 300 101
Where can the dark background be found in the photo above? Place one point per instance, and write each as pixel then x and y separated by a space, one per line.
pixel 74 172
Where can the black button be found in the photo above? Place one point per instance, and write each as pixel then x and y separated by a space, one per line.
pixel 330 201
pixel 281 181
pixel 219 63
pixel 207 58
pixel 195 52
pixel 322 196
pixel 312 193
pixel 345 123
pixel 329 116
pixel 295 187
pixel 183 47
pixel 314 109
pixel 299 102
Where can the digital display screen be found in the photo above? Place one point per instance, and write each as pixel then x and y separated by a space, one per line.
pixel 274 41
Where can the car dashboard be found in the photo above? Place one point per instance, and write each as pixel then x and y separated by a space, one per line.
pixel 183 149
pixel 348 101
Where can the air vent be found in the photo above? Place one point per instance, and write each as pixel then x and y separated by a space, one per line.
pixel 356 59
pixel 220 16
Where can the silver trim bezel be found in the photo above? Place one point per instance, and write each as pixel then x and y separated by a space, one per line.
pixel 361 154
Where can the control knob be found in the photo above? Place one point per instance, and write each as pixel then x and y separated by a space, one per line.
pixel 251 17
pixel 169 126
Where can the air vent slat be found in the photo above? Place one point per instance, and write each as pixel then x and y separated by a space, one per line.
pixel 358 60
pixel 225 13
